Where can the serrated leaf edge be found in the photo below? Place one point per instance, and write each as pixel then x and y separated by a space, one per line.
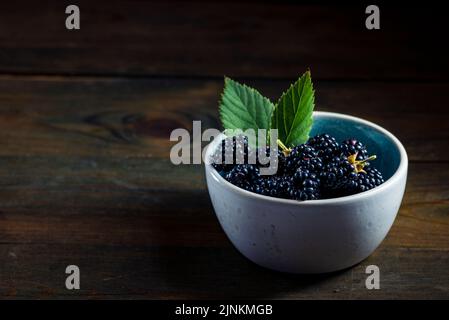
pixel 255 92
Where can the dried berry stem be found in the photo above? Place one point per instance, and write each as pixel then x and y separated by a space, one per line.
pixel 286 151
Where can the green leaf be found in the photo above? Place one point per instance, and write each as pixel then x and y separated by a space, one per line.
pixel 293 113
pixel 242 107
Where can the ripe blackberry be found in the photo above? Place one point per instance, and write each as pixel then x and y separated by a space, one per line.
pixel 304 194
pixel 314 165
pixel 305 185
pixel 375 176
pixel 335 171
pixel 273 186
pixel 301 155
pixel 362 181
pixel 231 151
pixel 303 151
pixel 285 185
pixel 243 175
pixel 346 175
pixel 352 146
pixel 260 186
pixel 325 145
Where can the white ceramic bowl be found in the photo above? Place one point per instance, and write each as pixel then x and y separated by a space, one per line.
pixel 315 236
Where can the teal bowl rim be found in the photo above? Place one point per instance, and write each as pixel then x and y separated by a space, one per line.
pixel 400 171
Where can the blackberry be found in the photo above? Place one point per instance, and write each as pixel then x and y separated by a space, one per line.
pixel 304 194
pixel 305 185
pixel 303 151
pixel 325 145
pixel 336 171
pixel 302 185
pixel 273 186
pixel 243 175
pixel 300 156
pixel 353 146
pixel 375 176
pixel 346 175
pixel 260 186
pixel 285 185
pixel 362 181
pixel 314 165
pixel 231 151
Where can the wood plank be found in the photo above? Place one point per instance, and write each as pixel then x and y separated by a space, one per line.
pixel 111 271
pixel 212 39
pixel 134 117
pixel 140 202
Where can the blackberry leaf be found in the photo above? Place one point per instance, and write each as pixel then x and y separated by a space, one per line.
pixel 242 107
pixel 293 113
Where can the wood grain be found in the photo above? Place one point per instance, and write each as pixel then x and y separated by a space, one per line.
pixel 131 202
pixel 215 38
pixel 168 273
pixel 85 179
pixel 134 117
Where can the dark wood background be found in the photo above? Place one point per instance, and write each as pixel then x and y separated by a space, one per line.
pixel 85 118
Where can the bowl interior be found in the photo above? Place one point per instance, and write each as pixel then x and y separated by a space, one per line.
pixel 388 155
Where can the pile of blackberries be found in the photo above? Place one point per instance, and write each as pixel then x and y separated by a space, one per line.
pixel 321 168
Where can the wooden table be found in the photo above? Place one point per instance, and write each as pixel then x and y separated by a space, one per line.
pixel 85 118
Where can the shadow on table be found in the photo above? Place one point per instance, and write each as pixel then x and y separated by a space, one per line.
pixel 225 273
pixel 220 271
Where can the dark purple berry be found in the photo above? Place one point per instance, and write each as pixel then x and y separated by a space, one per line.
pixel 305 185
pixel 325 145
pixel 300 156
pixel 352 146
pixel 243 175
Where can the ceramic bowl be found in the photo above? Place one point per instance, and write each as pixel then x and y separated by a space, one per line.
pixel 315 236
